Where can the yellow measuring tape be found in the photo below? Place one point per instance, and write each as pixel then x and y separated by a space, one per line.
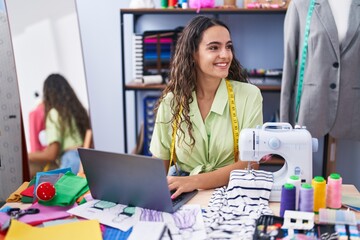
pixel 173 137
pixel 234 123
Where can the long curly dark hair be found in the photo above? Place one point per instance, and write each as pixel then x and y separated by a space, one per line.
pixel 182 78
pixel 60 95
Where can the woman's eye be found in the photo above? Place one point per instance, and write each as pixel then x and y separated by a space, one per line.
pixel 213 48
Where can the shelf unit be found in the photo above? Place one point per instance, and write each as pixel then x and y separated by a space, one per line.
pixel 138 13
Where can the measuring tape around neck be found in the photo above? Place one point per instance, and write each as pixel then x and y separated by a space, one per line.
pixel 234 123
pixel 303 58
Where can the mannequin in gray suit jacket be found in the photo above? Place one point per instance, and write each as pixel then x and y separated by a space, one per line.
pixel 330 101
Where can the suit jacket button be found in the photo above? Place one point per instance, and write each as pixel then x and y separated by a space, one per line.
pixel 333 85
pixel 335 64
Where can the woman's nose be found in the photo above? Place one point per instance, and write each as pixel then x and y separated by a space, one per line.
pixel 224 53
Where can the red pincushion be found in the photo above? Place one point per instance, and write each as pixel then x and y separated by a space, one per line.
pixel 45 191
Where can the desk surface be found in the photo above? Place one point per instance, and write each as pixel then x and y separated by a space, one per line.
pixel 204 196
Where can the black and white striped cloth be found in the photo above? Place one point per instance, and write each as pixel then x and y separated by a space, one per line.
pixel 233 210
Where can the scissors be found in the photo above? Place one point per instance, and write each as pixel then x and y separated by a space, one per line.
pixel 16 213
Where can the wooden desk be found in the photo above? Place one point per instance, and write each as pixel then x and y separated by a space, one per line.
pixel 204 196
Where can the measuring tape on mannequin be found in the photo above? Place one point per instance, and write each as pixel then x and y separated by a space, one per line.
pixel 303 58
pixel 234 123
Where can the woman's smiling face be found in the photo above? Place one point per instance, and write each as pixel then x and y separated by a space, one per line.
pixel 214 54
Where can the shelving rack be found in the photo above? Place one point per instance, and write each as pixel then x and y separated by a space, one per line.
pixel 137 13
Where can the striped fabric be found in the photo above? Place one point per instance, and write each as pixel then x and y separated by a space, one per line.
pixel 233 210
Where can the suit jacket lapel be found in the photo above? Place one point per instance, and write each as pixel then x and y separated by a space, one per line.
pixel 354 22
pixel 323 10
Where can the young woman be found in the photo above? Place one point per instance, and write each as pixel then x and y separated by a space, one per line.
pixel 206 103
pixel 66 124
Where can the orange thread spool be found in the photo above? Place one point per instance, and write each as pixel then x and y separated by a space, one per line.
pixel 172 3
pixel 319 185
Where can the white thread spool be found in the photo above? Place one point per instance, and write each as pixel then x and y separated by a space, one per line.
pixel 296 181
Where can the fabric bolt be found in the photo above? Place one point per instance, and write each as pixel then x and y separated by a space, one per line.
pixel 55 175
pixel 28 192
pixel 16 196
pixel 46 213
pixel 214 146
pixel 233 210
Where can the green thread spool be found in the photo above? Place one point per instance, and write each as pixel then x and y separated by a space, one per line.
pixel 164 4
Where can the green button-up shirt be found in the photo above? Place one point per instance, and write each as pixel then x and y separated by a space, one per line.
pixel 214 143
pixel 66 139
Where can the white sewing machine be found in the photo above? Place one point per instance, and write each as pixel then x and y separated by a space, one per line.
pixel 295 145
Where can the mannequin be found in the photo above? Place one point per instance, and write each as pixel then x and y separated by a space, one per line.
pixel 330 97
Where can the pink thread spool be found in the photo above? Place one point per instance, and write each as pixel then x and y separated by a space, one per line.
pixel 197 4
pixel 333 191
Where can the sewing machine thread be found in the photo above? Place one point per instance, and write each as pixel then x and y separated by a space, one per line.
pixel 333 191
pixel 306 198
pixel 319 185
pixel 288 194
pixel 296 181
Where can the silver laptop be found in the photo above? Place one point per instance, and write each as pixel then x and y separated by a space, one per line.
pixel 128 179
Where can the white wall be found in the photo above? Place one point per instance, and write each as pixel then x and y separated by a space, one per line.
pixel 100 34
pixel 46 39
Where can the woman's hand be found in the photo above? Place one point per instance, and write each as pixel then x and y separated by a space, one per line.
pixel 182 184
pixel 209 180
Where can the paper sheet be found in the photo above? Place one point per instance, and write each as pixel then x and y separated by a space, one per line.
pixel 82 230
pixel 186 223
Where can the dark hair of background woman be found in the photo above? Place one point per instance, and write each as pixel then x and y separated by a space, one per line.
pixel 59 94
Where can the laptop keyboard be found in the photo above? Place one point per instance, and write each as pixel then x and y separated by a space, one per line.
pixel 176 200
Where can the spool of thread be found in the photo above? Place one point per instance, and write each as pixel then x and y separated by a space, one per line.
pixel 333 191
pixel 296 181
pixel 164 3
pixel 319 185
pixel 172 3
pixel 288 193
pixel 183 4
pixel 306 198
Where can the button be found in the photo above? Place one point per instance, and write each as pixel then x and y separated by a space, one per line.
pixel 333 86
pixel 335 64
pixel 274 143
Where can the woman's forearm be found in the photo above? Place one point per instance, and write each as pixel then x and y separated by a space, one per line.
pixel 217 178
pixel 49 154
